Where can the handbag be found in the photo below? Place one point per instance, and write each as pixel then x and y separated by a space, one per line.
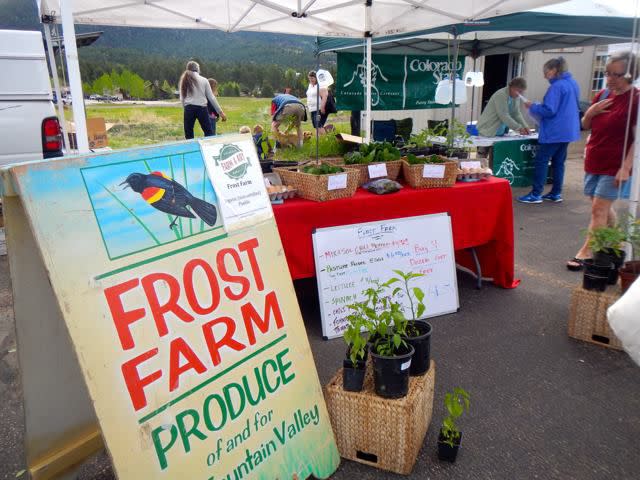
pixel 330 105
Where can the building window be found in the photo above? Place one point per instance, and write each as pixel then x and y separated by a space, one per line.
pixel 598 78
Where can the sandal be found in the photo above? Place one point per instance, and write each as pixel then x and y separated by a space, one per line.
pixel 575 264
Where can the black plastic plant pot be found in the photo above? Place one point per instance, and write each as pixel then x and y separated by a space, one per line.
pixel 447 452
pixel 391 374
pixel 266 166
pixel 594 282
pixel 353 377
pixel 609 257
pixel 422 345
pixel 599 269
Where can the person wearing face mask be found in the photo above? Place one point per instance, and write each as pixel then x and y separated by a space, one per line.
pixel 503 111
pixel 609 151
pixel 559 116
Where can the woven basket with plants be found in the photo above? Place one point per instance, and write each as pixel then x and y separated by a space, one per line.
pixel 368 158
pixel 312 180
pixel 413 169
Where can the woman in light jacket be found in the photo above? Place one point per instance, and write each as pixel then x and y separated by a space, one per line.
pixel 194 93
pixel 559 115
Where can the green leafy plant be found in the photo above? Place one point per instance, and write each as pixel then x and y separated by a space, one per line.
pixel 373 152
pixel 456 403
pixel 323 169
pixel 414 294
pixel 459 139
pixel 415 160
pixel 353 337
pixel 607 239
pixel 383 319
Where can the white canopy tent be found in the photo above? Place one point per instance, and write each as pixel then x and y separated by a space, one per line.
pixel 339 18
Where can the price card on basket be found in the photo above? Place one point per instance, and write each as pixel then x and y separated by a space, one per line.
pixel 378 170
pixel 433 171
pixel 337 182
pixel 471 164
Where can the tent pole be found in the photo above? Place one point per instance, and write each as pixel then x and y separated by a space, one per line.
pixel 635 184
pixel 317 106
pixel 56 82
pixel 75 82
pixel 368 35
pixel 473 90
pixel 452 77
pixel 367 129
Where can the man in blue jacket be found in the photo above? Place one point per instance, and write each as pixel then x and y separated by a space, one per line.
pixel 287 108
pixel 559 118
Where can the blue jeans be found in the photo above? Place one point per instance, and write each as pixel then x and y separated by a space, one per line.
pixel 557 152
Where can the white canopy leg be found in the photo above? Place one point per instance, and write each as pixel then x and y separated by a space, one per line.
pixel 56 83
pixel 75 82
pixel 367 128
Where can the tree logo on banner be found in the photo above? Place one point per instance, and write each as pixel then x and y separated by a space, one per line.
pixel 506 170
pixel 361 72
pixel 233 162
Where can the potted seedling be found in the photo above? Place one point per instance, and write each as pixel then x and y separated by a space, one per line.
pixel 631 269
pixel 391 354
pixel 459 141
pixel 456 403
pixel 354 366
pixel 607 245
pixel 418 331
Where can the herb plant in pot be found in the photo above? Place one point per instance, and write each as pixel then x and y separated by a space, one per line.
pixel 391 355
pixel 607 245
pixel 418 332
pixel 456 403
pixel 354 366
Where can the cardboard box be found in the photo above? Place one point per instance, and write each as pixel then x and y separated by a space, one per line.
pixel 96 132
pixel 346 138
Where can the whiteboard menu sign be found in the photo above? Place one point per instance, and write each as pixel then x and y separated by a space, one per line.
pixel 350 258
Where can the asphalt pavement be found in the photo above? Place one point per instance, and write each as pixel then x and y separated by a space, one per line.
pixel 542 404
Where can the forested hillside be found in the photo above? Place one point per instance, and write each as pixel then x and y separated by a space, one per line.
pixel 256 63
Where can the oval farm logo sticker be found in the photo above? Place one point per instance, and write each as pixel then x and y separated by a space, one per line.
pixel 233 162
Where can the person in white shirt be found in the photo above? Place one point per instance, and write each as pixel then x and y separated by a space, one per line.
pixel 317 105
pixel 194 93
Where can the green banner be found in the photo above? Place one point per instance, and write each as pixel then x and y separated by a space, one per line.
pixel 515 161
pixel 398 82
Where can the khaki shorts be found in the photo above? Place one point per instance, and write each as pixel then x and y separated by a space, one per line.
pixel 291 109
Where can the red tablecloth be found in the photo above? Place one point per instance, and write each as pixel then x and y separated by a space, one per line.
pixel 481 217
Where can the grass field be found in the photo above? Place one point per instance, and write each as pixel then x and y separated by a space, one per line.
pixel 136 125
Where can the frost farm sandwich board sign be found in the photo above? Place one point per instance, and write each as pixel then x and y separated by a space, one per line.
pixel 188 333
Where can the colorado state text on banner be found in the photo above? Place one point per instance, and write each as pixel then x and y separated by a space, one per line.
pixel 399 82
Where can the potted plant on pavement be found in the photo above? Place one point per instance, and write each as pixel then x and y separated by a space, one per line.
pixel 607 245
pixel 418 331
pixel 456 403
pixel 354 366
pixel 391 355
pixel 631 269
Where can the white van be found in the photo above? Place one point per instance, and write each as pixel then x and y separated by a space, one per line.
pixel 29 127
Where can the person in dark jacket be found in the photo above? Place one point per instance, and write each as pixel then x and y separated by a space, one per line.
pixel 285 107
pixel 559 119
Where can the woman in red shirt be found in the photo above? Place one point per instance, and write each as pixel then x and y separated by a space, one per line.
pixel 607 165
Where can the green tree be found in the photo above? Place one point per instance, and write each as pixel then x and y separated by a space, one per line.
pixel 229 89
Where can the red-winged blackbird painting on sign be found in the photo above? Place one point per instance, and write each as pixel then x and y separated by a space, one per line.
pixel 167 195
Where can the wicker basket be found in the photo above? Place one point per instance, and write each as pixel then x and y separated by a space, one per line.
pixel 315 187
pixel 383 433
pixel 393 169
pixel 588 317
pixel 413 175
